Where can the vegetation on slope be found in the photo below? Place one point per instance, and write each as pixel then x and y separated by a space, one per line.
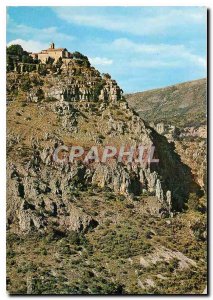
pixel 180 105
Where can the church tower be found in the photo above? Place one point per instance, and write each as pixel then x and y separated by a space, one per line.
pixel 52 46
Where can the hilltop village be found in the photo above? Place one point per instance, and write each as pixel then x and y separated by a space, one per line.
pixel 20 61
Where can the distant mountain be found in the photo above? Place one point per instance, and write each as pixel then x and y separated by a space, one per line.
pixel 182 104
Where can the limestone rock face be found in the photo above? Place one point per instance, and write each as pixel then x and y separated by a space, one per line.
pixel 164 254
pixel 71 219
pixel 35 95
pixel 159 191
pixel 111 92
pixel 169 200
pixel 83 215
pixel 44 197
pixel 78 106
pixel 87 88
pixel 29 220
pixel 78 221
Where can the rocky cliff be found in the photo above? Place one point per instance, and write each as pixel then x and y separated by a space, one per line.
pixel 76 105
pixel 179 113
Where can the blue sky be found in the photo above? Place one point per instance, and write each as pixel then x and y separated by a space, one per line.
pixel 141 47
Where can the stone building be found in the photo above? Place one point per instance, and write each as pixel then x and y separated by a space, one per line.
pixel 52 52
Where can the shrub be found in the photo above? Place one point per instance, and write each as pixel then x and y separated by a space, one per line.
pixel 193 202
pixel 73 237
pixel 26 84
pixel 78 55
pixel 97 89
pixel 173 265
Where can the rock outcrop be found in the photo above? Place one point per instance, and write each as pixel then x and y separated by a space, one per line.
pixel 87 225
pixel 88 108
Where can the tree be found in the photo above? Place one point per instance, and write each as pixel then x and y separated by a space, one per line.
pixel 10 64
pixel 26 84
pixel 15 53
pixel 59 62
pixel 78 55
pixel 15 50
pixel 50 61
pixel 26 58
pixel 106 75
pixel 97 89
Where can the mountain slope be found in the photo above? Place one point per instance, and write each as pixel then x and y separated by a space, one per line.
pixel 94 228
pixel 179 113
pixel 180 105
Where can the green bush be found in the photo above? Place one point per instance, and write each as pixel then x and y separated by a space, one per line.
pixel 73 238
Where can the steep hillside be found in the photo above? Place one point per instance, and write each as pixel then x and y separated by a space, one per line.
pixel 181 105
pixel 179 113
pixel 94 227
